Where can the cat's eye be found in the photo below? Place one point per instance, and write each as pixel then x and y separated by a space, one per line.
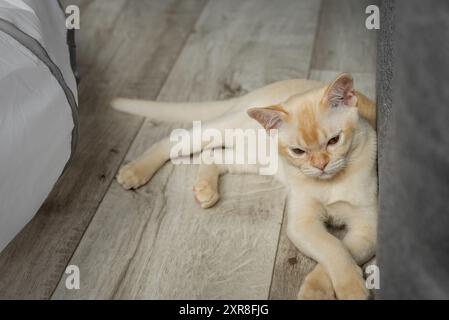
pixel 333 141
pixel 297 151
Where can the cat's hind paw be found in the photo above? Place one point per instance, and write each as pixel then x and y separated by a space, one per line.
pixel 206 195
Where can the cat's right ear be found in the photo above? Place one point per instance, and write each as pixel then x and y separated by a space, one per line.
pixel 269 118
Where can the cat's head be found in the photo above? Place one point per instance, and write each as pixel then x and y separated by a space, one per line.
pixel 316 129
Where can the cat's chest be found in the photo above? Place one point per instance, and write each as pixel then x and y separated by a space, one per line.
pixel 358 190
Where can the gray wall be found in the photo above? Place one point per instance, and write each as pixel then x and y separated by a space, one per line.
pixel 413 124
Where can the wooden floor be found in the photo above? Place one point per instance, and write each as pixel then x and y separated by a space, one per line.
pixel 156 243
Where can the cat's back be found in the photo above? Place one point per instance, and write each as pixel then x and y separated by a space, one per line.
pixel 277 93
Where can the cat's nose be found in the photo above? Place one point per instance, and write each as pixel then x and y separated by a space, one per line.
pixel 321 164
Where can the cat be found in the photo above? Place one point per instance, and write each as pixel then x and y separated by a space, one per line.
pixel 327 161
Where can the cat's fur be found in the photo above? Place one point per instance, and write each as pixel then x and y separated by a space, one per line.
pixel 334 179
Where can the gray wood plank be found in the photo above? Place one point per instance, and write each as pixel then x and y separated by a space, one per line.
pixel 343 44
pixel 120 42
pixel 156 242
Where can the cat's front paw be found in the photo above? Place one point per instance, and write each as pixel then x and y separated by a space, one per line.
pixel 352 287
pixel 317 286
pixel 131 176
pixel 205 194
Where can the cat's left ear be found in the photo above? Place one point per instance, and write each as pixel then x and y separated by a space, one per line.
pixel 341 92
pixel 270 118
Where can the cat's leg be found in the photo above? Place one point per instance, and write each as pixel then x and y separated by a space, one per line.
pixel 308 233
pixel 211 167
pixel 141 170
pixel 360 240
pixel 206 183
pixel 361 224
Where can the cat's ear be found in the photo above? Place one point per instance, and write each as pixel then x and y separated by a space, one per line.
pixel 341 92
pixel 269 118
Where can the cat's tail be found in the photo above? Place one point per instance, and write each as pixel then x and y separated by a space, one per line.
pixel 174 112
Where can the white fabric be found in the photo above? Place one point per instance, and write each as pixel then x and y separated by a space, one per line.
pixel 17 3
pixel 52 35
pixel 35 118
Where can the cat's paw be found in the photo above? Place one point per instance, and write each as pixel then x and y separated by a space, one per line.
pixel 352 287
pixel 206 195
pixel 131 176
pixel 317 286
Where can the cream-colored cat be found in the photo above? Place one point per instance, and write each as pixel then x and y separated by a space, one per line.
pixel 327 148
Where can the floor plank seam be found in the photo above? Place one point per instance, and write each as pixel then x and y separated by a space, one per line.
pixel 315 38
pixel 277 247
